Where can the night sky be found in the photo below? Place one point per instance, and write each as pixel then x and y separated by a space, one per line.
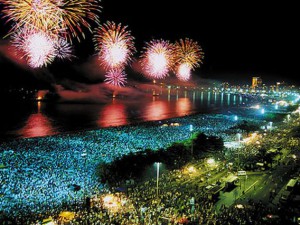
pixel 239 40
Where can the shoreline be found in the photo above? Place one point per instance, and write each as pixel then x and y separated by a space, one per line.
pixel 9 137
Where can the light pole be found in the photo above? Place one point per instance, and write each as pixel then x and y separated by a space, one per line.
pixel 192 147
pixel 84 156
pixel 157 177
pixel 239 141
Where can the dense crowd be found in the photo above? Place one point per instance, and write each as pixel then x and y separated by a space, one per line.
pixel 40 177
pixel 178 205
pixel 43 173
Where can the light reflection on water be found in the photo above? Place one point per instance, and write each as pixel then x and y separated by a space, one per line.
pixel 53 118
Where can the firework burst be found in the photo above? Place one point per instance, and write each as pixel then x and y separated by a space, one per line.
pixel 184 72
pixel 64 17
pixel 157 59
pixel 39 48
pixel 33 14
pixel 114 44
pixel 115 77
pixel 36 46
pixel 63 49
pixel 189 55
pixel 77 13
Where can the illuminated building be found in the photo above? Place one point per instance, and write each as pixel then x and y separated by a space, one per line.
pixel 256 82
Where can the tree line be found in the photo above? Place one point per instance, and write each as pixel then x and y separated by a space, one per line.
pixel 133 165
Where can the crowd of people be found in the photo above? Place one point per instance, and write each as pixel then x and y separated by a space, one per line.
pixel 42 176
pixel 177 203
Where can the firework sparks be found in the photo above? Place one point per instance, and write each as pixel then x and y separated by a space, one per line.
pixel 37 47
pixel 53 16
pixel 157 59
pixel 189 55
pixel 77 13
pixel 63 49
pixel 34 14
pixel 115 77
pixel 114 44
pixel 184 72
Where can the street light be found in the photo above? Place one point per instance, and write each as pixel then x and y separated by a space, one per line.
pixel 192 147
pixel 210 161
pixel 271 124
pixel 239 138
pixel 84 156
pixel 157 177
pixel 239 141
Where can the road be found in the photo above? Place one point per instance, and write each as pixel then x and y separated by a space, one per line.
pixel 258 186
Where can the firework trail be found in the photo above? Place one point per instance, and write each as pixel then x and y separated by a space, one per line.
pixel 77 13
pixel 157 59
pixel 189 55
pixel 115 77
pixel 114 44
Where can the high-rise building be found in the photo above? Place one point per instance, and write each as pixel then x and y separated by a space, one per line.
pixel 256 82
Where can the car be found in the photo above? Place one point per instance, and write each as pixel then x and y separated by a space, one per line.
pixel 271 217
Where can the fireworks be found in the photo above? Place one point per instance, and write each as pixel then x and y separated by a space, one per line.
pixel 77 13
pixel 114 44
pixel 63 49
pixel 157 59
pixel 63 17
pixel 115 77
pixel 189 55
pixel 39 48
pixel 184 72
pixel 42 31
pixel 32 14
pixel 36 47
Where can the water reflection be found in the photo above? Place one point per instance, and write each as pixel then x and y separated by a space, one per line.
pixel 183 106
pixel 113 114
pixel 52 118
pixel 156 110
pixel 37 125
pixel 228 99
pixel 208 98
pixel 215 97
pixel 222 99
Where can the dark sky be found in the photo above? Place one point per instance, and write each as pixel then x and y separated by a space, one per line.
pixel 240 40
